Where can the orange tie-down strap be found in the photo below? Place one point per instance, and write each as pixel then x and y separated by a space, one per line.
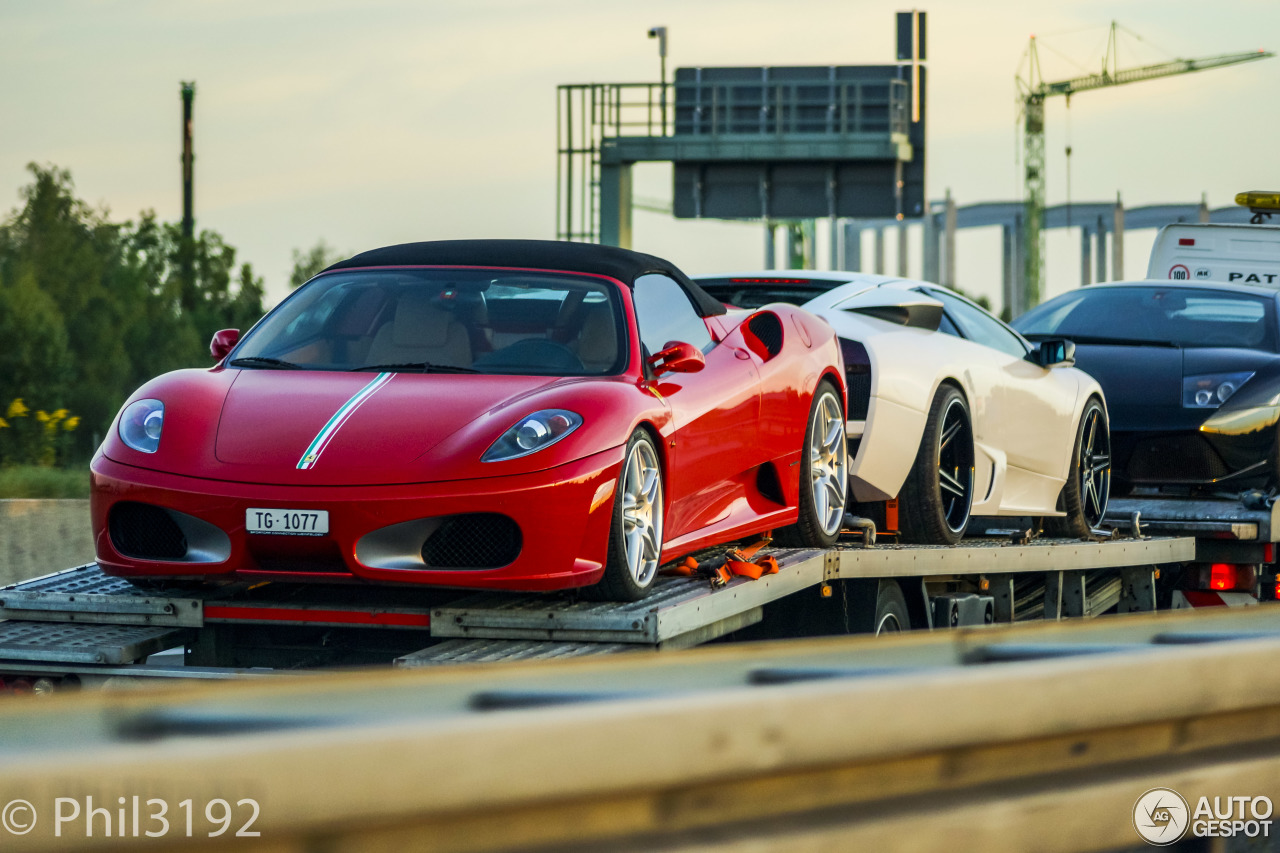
pixel 720 570
pixel 761 567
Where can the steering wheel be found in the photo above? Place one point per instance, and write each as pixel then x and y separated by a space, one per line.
pixel 536 353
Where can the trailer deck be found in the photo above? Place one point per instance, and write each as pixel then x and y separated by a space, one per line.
pixel 84 622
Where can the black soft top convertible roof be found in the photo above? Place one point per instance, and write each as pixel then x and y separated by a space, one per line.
pixel 622 264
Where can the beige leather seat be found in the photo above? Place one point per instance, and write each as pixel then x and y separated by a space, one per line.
pixel 421 332
pixel 597 343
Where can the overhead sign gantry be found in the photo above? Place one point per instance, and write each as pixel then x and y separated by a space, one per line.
pixel 754 143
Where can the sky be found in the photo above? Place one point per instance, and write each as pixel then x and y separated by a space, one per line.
pixel 380 122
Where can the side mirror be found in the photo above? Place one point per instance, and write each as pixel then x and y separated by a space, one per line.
pixel 1054 352
pixel 677 357
pixel 223 342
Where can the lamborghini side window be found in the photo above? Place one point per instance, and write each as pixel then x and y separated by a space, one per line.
pixel 979 326
pixel 948 328
pixel 665 313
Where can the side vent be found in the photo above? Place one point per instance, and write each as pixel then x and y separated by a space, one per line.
pixel 768 484
pixel 763 334
pixel 857 373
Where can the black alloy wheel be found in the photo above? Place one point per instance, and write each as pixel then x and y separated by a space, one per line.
pixel 938 494
pixel 1088 486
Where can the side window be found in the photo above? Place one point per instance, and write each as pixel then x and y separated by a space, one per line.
pixel 979 326
pixel 665 313
pixel 948 328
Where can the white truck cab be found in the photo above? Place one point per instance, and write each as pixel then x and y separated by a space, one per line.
pixel 1235 253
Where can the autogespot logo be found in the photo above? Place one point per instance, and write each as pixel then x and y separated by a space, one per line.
pixel 1161 816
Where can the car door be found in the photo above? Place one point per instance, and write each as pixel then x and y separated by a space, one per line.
pixel 1033 407
pixel 715 411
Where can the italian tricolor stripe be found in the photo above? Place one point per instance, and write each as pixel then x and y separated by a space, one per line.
pixel 312 454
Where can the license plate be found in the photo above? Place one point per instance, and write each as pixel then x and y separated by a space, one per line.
pixel 287 522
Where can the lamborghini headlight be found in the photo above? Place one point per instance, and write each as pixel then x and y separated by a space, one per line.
pixel 1211 390
pixel 533 433
pixel 141 424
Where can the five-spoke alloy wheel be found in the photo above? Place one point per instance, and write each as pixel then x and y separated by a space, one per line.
pixel 824 475
pixel 635 539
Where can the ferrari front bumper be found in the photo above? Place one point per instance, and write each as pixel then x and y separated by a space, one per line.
pixel 562 516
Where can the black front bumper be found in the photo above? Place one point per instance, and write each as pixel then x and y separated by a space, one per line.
pixel 1195 458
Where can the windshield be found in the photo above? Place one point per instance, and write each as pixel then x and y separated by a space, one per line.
pixel 443 320
pixel 1169 316
pixel 755 292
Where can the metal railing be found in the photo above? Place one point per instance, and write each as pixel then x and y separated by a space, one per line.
pixel 587 114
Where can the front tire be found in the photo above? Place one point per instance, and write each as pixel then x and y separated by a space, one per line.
pixel 824 475
pixel 1088 486
pixel 635 534
pixel 934 505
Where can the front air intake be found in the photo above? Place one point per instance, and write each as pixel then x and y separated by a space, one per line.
pixel 1175 459
pixel 145 532
pixel 477 540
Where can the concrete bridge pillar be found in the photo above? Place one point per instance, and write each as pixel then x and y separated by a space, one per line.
pixel 1117 243
pixel 1008 266
pixel 1101 255
pixel 930 268
pixel 1086 257
pixel 949 242
pixel 852 247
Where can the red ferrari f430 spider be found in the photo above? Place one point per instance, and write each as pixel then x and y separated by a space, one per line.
pixel 515 415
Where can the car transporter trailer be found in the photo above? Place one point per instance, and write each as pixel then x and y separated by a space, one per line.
pixel 80 626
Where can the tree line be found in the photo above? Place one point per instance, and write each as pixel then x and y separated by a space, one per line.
pixel 91 308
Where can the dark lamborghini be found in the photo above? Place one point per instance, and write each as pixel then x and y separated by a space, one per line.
pixel 1191 373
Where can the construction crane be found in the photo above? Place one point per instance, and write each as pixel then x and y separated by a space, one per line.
pixel 1032 92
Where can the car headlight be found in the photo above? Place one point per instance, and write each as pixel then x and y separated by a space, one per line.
pixel 533 433
pixel 1212 389
pixel 140 425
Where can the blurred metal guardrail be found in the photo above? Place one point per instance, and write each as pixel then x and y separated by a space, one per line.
pixel 1039 736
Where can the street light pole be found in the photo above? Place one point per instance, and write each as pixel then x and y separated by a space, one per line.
pixel 660 33
pixel 187 250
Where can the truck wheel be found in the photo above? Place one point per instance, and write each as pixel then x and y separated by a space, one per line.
pixel 1084 497
pixel 933 507
pixel 890 616
pixel 635 534
pixel 824 475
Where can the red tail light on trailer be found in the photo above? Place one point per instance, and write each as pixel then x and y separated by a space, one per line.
pixel 1222 576
pixel 1226 577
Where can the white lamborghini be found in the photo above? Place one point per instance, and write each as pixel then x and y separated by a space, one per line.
pixel 950 411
